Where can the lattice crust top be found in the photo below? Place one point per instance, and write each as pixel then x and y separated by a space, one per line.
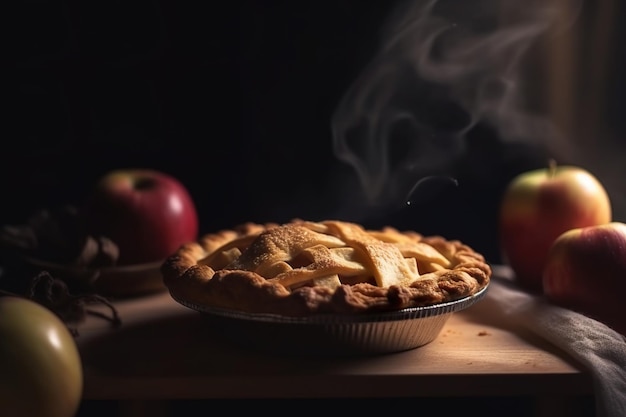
pixel 305 267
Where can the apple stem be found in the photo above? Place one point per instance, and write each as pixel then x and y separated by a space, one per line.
pixel 551 167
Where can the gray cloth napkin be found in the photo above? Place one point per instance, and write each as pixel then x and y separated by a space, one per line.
pixel 597 347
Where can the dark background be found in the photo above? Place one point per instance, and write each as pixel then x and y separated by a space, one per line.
pixel 233 98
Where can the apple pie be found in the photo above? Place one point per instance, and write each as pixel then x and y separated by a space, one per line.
pixel 306 267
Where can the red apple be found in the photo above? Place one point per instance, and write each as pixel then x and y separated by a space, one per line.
pixel 147 213
pixel 540 205
pixel 586 272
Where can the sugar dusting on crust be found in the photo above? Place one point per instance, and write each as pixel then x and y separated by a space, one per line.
pixel 305 267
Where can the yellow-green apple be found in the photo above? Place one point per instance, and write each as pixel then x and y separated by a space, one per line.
pixel 586 272
pixel 147 213
pixel 537 206
pixel 41 369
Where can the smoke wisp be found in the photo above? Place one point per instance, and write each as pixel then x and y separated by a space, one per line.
pixel 442 67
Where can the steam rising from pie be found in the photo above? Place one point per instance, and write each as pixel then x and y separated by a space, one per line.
pixel 442 67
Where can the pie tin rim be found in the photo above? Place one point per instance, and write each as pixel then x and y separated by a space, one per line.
pixel 410 313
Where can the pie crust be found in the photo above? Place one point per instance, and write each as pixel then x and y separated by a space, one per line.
pixel 304 267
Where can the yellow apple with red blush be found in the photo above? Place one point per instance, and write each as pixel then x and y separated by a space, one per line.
pixel 586 272
pixel 537 207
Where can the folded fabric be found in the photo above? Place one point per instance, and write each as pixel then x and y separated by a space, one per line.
pixel 596 346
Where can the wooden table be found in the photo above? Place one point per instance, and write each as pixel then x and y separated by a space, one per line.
pixel 165 351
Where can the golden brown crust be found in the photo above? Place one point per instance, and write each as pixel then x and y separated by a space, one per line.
pixel 303 267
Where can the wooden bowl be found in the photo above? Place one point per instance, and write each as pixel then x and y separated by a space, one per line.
pixel 115 281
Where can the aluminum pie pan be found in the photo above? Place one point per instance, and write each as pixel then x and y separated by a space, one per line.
pixel 335 334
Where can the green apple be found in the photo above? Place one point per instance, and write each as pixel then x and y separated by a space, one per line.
pixel 41 372
pixel 537 207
